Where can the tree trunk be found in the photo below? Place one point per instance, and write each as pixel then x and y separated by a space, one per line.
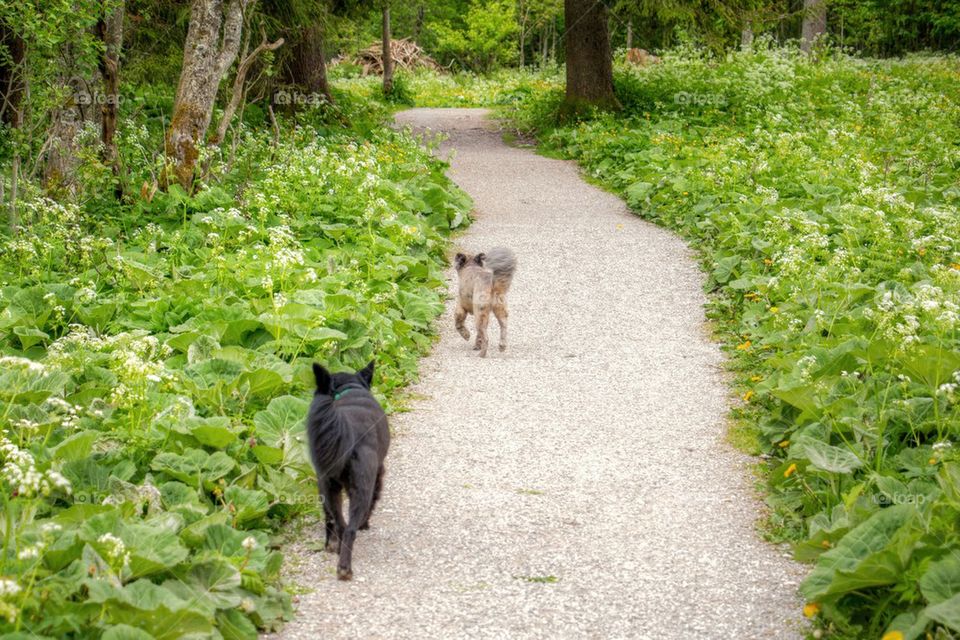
pixel 746 35
pixel 12 90
pixel 814 23
pixel 523 37
pixel 387 53
pixel 213 41
pixel 418 25
pixel 544 45
pixel 12 78
pixel 553 41
pixel 110 30
pixel 80 107
pixel 630 34
pixel 589 62
pixel 308 64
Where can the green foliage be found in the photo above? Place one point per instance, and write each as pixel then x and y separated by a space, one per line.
pixel 886 27
pixel 486 40
pixel 155 364
pixel 400 94
pixel 434 89
pixel 58 43
pixel 822 197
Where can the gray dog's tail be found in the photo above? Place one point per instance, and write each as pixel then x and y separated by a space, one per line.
pixel 503 263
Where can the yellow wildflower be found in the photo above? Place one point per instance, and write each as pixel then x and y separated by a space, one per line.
pixel 893 635
pixel 792 469
pixel 811 609
pixel 755 378
pixel 774 309
pixel 744 346
pixel 748 395
pixel 933 461
pixel 784 444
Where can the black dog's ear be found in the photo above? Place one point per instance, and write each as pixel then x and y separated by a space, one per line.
pixel 366 374
pixel 479 258
pixel 459 260
pixel 323 379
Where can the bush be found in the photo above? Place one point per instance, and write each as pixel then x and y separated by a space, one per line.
pixel 822 197
pixel 155 369
pixel 401 93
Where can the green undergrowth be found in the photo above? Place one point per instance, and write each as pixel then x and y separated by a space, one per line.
pixel 428 88
pixel 155 366
pixel 822 196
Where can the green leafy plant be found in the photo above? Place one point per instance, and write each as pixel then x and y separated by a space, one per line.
pixel 822 197
pixel 155 369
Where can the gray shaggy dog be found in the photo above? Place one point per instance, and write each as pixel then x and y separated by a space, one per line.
pixel 484 281
pixel 348 436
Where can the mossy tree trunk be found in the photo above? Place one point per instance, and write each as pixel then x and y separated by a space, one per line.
pixel 589 60
pixel 110 31
pixel 212 44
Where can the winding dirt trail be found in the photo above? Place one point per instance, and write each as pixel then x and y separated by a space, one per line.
pixel 577 485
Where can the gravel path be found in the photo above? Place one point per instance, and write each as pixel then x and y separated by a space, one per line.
pixel 578 484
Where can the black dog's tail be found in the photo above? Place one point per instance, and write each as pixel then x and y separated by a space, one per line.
pixel 328 434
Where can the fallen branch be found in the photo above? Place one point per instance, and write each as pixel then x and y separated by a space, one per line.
pixel 238 92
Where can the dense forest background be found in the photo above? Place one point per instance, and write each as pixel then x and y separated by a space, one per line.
pixel 63 64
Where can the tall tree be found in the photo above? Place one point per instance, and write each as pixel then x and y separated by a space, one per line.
pixel 589 61
pixel 814 23
pixel 12 89
pixel 12 76
pixel 213 41
pixel 387 52
pixel 110 31
pixel 307 66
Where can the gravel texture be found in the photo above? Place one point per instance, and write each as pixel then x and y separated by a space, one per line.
pixel 577 485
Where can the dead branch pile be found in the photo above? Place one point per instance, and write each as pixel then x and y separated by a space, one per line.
pixel 407 54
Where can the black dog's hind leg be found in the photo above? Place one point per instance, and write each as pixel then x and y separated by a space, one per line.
pixel 362 482
pixel 331 492
pixel 376 496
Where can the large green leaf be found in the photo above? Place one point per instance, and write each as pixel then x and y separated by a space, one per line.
pixel 125 632
pixel 194 466
pixel 281 426
pixel 247 504
pixel 76 446
pixel 208 585
pixel 825 457
pixel 211 432
pixel 942 580
pixel 946 613
pixel 233 625
pixel 152 549
pixel 869 555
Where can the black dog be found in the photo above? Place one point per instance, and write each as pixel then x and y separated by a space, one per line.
pixel 348 442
